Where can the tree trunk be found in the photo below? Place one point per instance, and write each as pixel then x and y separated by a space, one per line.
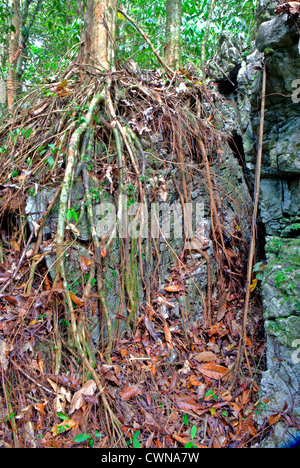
pixel 173 33
pixel 27 21
pixel 14 53
pixel 100 32
pixel 207 31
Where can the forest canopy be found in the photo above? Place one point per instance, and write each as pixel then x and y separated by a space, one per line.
pixel 50 29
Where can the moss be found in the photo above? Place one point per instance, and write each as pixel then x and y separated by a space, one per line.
pixel 285 329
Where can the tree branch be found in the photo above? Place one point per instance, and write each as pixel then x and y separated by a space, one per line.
pixel 167 69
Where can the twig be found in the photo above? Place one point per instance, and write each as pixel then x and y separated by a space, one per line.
pixel 19 264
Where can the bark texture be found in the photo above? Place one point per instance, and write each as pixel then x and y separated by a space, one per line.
pixel 14 53
pixel 173 33
pixel 100 31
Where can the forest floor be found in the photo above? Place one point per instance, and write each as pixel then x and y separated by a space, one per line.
pixel 164 384
pixel 167 386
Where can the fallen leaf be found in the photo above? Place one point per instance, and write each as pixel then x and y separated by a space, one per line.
pixel 64 426
pixel 253 285
pixel 188 405
pixel 76 300
pixel 168 336
pixel 213 370
pixel 274 418
pixel 89 388
pixel 205 356
pixel 129 392
pixel 172 288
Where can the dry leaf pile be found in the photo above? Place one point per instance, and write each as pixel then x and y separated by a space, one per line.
pixel 162 381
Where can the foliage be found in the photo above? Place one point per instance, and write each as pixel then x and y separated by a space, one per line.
pixel 234 16
pixel 58 25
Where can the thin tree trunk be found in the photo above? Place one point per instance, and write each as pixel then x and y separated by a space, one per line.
pixel 100 33
pixel 173 33
pixel 207 30
pixel 14 53
pixel 27 23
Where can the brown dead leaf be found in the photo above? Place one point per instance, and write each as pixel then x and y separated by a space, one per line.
pixel 64 426
pixel 89 388
pixel 15 245
pixel 274 418
pixel 205 356
pixel 213 371
pixel 76 300
pixel 129 392
pixel 174 288
pixel 168 336
pixel 188 405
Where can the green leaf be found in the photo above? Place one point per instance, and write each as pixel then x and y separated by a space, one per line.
pixel 62 415
pixel 50 161
pixel 193 431
pixel 135 436
pixel 189 445
pixel 70 213
pixel 185 419
pixel 82 438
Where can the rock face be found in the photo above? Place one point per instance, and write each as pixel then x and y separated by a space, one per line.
pixel 279 206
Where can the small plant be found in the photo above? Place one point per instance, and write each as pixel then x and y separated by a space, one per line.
pixel 193 435
pixel 211 393
pixel 87 437
pixel 70 213
pixel 193 431
pixel 259 269
pixel 135 442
